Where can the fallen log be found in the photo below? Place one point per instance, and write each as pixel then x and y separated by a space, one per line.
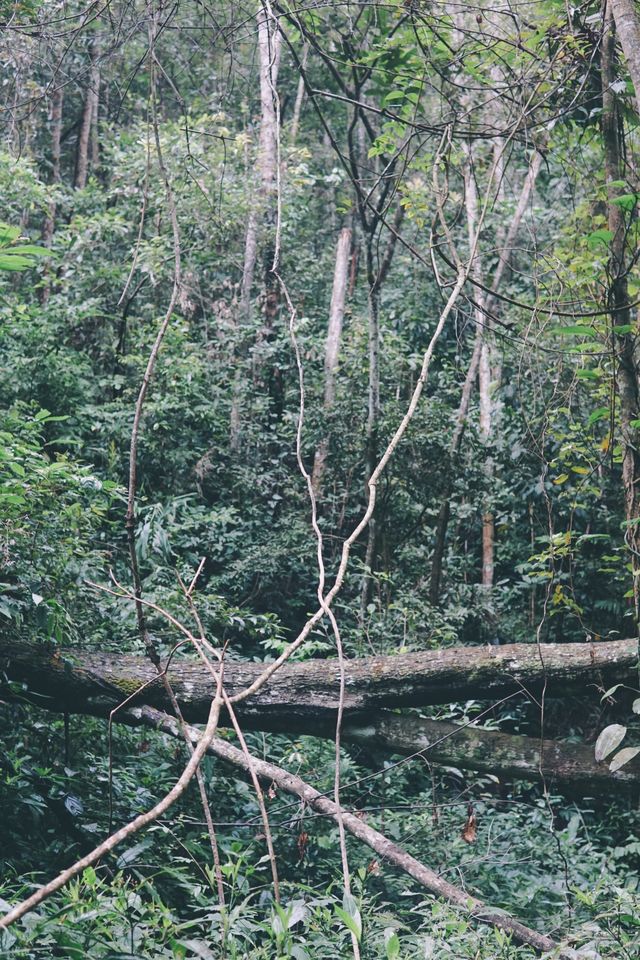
pixel 78 681
pixel 508 756
pixel 301 695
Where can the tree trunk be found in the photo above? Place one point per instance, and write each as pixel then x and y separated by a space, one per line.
pixel 332 349
pixel 373 417
pixel 486 436
pixel 628 357
pixel 95 124
pixel 297 109
pixel 90 106
pixel 484 366
pixel 269 59
pixel 375 280
pixel 627 21
pixel 482 309
pixel 303 695
pixel 261 208
pixel 569 765
pixel 56 132
pixel 454 449
pixel 49 225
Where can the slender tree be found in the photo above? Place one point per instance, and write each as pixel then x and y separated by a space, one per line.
pixel 262 212
pixel 627 22
pixel 89 111
pixel 624 340
pixel 332 350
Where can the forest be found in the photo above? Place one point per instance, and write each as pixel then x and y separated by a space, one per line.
pixel 320 479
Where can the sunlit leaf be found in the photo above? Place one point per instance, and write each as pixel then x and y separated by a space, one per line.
pixel 622 757
pixel 598 414
pixel 609 739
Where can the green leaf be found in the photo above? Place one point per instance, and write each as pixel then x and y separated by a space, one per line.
pixel 12 498
pixel 30 250
pixel 8 262
pixel 16 258
pixel 298 952
pixel 296 912
pixel 599 238
pixel 391 944
pixel 598 414
pixel 132 854
pixel 573 330
pixel 350 915
pixel 627 201
pixel 8 233
pixel 199 948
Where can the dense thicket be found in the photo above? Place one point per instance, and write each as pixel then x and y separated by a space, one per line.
pixel 265 189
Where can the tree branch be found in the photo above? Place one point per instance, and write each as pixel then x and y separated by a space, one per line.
pixel 391 853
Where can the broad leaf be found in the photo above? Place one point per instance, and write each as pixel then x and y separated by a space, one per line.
pixel 622 757
pixel 391 944
pixel 350 915
pixel 611 737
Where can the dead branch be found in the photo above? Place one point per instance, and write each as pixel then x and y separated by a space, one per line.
pixel 391 853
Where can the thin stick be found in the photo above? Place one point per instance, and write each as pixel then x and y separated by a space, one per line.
pixel 202 745
pixel 385 849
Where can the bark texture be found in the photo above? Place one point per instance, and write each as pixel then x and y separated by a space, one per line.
pixel 332 349
pixel 56 134
pixel 627 20
pixel 297 108
pixel 262 207
pixel 49 226
pixel 299 696
pixel 624 343
pixel 568 765
pixel 89 110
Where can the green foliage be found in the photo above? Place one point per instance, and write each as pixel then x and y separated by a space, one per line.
pixel 55 512
pixel 17 256
pixel 76 331
pixel 157 897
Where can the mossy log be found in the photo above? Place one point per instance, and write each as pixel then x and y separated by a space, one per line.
pixel 508 756
pixel 303 698
pixel 302 694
